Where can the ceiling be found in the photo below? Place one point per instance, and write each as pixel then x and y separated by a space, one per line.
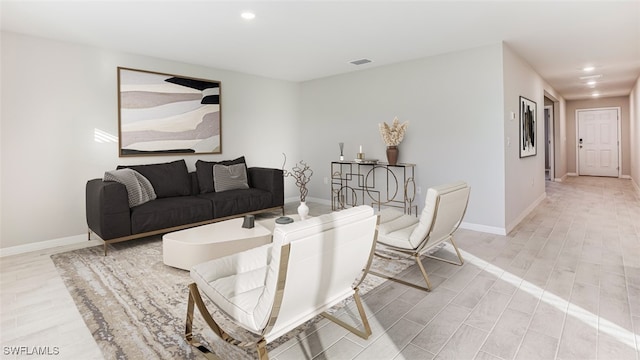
pixel 304 40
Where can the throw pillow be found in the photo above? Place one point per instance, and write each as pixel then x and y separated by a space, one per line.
pixel 168 179
pixel 230 177
pixel 204 172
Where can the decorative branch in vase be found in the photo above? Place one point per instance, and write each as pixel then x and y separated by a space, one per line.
pixel 392 137
pixel 302 173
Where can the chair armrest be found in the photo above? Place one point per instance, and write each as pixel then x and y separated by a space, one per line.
pixel 241 262
pixel 268 179
pixel 107 209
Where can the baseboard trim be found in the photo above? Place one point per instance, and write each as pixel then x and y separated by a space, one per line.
pixel 563 178
pixel 572 174
pixel 484 228
pixel 44 245
pixel 526 212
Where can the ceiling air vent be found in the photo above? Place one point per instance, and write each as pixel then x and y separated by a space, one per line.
pixel 360 62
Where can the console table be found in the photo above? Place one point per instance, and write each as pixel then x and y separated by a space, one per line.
pixel 375 183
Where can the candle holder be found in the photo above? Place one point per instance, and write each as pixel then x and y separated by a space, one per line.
pixel 360 156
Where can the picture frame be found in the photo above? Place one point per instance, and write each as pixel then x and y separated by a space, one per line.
pixel 165 114
pixel 528 124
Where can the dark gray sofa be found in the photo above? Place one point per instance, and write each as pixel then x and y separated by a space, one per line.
pixel 183 200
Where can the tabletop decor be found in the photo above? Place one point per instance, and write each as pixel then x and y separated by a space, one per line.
pixel 392 136
pixel 302 173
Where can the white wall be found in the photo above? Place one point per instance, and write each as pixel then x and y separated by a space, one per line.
pixel 524 177
pixel 56 95
pixel 634 134
pixel 454 105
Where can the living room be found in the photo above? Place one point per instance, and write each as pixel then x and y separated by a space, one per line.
pixel 306 119
pixel 60 128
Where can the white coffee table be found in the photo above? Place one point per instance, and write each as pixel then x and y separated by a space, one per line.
pixel 185 248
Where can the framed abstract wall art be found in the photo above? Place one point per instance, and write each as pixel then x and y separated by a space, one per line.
pixel 528 125
pixel 162 114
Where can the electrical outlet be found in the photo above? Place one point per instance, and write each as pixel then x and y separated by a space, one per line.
pixel 418 190
pixel 326 180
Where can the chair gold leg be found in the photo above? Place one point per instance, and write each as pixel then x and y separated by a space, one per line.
pixel 195 298
pixel 457 251
pixel 416 257
pixel 450 261
pixel 261 347
pixel 363 317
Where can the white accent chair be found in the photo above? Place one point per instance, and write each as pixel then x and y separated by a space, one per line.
pixel 402 234
pixel 270 290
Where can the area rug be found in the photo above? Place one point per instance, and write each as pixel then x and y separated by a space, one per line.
pixel 135 306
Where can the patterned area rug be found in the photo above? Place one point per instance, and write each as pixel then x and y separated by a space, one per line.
pixel 135 306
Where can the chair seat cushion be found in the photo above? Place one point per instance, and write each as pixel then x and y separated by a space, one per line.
pixel 395 229
pixel 235 284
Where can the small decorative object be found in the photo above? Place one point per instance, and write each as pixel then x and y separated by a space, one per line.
pixel 283 220
pixel 249 222
pixel 303 210
pixel 341 151
pixel 527 127
pixel 392 137
pixel 302 174
pixel 360 154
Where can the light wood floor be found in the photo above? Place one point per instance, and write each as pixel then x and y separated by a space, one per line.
pixel 565 284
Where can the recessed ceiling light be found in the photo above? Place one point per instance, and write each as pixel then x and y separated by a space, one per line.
pixel 248 15
pixel 595 94
pixel 588 68
pixel 591 77
pixel 592 83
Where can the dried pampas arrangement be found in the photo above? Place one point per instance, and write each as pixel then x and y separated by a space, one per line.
pixel 393 135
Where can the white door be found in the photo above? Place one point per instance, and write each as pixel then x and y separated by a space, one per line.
pixel 598 142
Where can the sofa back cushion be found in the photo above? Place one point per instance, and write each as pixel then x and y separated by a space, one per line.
pixel 204 171
pixel 168 179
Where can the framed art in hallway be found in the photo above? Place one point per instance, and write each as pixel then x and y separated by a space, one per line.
pixel 161 114
pixel 528 123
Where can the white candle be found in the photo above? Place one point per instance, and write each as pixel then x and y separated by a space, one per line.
pixel 360 148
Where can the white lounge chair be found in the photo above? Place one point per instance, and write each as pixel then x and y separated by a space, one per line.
pixel 270 290
pixel 444 209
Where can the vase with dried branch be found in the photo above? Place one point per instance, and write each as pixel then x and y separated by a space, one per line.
pixel 301 173
pixel 392 136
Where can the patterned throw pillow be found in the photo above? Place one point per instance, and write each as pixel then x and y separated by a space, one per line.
pixel 204 172
pixel 230 177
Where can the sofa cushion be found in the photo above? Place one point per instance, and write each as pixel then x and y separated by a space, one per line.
pixel 229 177
pixel 234 202
pixel 168 179
pixel 169 212
pixel 204 171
